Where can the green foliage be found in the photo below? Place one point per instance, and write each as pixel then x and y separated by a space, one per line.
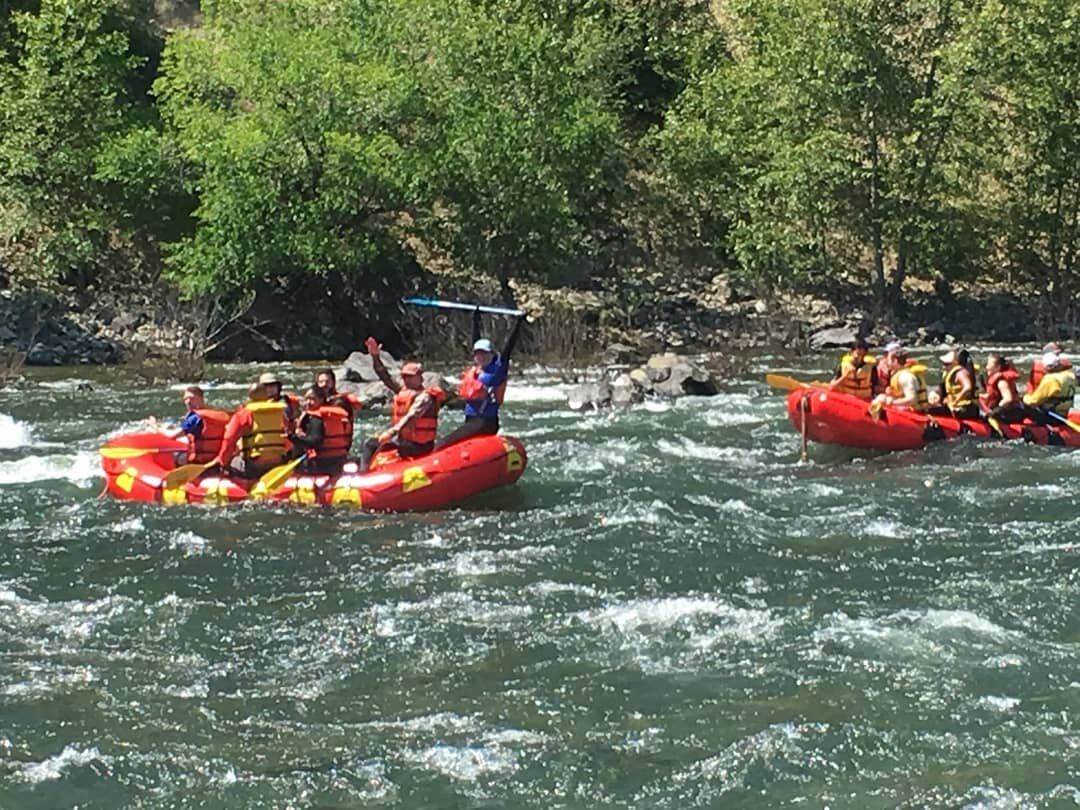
pixel 61 98
pixel 791 142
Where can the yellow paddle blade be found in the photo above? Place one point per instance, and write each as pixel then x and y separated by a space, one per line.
pixel 784 383
pixel 130 452
pixel 271 481
pixel 181 476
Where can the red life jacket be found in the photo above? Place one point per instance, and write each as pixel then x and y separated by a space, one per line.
pixel 337 432
pixel 472 389
pixel 992 396
pixel 423 428
pixel 205 446
pixel 1038 371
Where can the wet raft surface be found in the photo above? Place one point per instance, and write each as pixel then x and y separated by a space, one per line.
pixel 667 611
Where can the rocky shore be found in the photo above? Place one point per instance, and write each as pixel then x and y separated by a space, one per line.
pixel 567 325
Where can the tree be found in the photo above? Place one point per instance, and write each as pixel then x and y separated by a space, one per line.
pixel 835 136
pixel 62 96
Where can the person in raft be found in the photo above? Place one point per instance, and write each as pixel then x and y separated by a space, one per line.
pixel 202 426
pixel 414 414
pixel 857 373
pixel 1055 392
pixel 1038 369
pixel 1001 400
pixel 323 433
pixel 326 382
pixel 907 383
pixel 291 402
pixel 956 394
pixel 257 427
pixel 483 385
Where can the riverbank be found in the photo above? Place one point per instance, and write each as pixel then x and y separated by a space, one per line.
pixel 566 325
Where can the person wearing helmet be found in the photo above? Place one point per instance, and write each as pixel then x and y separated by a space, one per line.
pixel 483 385
pixel 415 410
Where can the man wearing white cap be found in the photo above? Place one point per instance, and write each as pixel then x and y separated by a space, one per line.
pixel 1038 369
pixel 483 385
pixel 956 394
pixel 1054 393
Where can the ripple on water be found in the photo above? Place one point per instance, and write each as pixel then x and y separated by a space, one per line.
pixel 73 757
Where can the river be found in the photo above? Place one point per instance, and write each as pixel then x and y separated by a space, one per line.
pixel 667 611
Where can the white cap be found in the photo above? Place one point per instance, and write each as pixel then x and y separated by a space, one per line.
pixel 893 346
pixel 483 345
pixel 948 357
pixel 1050 360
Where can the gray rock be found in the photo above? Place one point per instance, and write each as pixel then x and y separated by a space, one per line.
pixel 836 337
pixel 372 394
pixel 589 396
pixel 619 354
pixel 357 367
pixel 625 391
pixel 675 376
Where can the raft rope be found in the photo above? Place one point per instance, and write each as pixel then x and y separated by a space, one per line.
pixel 804 404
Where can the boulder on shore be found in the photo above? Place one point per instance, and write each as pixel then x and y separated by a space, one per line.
pixel 358 368
pixel 837 337
pixel 666 375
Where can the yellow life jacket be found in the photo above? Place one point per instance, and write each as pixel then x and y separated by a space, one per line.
pixel 861 383
pixel 953 389
pixel 266 441
pixel 1063 400
pixel 922 403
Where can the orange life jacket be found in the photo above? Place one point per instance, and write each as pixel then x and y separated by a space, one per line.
pixel 337 432
pixel 992 396
pixel 205 446
pixel 423 428
pixel 472 389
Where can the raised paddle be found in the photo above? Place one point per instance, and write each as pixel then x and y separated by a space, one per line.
pixel 433 302
pixel 273 480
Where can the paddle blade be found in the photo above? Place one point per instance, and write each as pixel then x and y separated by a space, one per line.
pixel 272 481
pixel 433 302
pixel 784 383
pixel 181 476
pixel 122 453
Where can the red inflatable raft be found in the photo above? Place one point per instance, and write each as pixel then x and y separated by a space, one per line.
pixel 837 418
pixel 136 466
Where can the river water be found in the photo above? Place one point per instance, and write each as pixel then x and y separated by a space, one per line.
pixel 667 611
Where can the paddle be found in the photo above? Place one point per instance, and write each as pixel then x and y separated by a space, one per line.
pixel 1063 420
pixel 789 383
pixel 122 453
pixel 181 476
pixel 995 425
pixel 432 302
pixel 273 480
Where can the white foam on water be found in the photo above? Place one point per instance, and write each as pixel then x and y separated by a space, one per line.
pixel 188 542
pixel 998 703
pixel 885 528
pixel 474 563
pixel 131 525
pixel 65 620
pixel 466 764
pixel 524 392
pixel 655 513
pixel 920 634
pixel 14 433
pixel 56 766
pixel 646 616
pixel 81 469
pixel 687 448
